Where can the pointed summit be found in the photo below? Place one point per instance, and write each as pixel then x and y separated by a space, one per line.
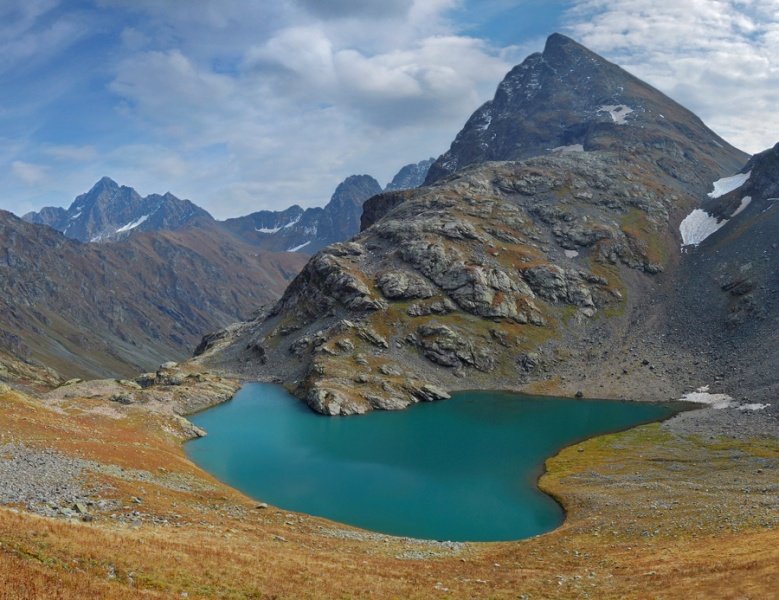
pixel 109 212
pixel 569 99
pixel 104 183
pixel 559 42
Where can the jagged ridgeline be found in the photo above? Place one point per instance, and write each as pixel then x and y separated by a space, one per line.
pixel 531 259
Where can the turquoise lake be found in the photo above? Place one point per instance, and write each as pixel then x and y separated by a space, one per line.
pixel 463 469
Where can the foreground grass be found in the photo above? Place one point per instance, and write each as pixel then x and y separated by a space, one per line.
pixel 651 514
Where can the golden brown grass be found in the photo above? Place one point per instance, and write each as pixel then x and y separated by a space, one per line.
pixel 225 547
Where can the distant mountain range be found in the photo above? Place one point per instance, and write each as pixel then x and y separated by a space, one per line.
pixel 110 212
pixel 309 230
pixel 118 283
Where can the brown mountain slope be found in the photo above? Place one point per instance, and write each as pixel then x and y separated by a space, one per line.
pixel 115 309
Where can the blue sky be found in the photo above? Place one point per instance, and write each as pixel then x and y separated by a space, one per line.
pixel 242 105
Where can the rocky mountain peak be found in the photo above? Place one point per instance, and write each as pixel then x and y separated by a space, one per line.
pixel 108 212
pixel 410 176
pixel 569 99
pixel 104 183
pixel 355 189
pixel 560 49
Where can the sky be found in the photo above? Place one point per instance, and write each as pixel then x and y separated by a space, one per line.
pixel 243 105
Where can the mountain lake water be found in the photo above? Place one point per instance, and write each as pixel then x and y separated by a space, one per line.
pixel 464 469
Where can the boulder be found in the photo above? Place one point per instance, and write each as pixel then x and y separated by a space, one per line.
pixel 332 402
pixel 427 392
pixel 403 285
pixel 447 348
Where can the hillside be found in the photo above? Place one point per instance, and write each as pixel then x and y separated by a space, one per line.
pixel 116 309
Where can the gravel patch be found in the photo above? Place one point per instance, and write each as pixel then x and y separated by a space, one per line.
pixel 44 481
pixel 53 484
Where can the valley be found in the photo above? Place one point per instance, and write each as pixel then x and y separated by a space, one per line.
pixel 659 510
pixel 587 246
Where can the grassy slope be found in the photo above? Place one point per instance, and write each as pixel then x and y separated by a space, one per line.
pixel 651 515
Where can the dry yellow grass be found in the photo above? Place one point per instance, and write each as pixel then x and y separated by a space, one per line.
pixel 616 542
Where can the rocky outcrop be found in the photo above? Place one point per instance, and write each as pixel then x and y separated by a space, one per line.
pixel 399 285
pixel 376 207
pixel 524 274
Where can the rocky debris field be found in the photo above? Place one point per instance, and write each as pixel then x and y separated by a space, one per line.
pixel 44 481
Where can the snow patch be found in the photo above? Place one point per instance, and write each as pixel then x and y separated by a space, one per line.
pixel 568 149
pixel 744 203
pixel 699 224
pixel 267 229
pixel 296 248
pixel 76 216
pixel 728 184
pixel 618 112
pixel 132 224
pixel 754 406
pixel 702 396
pixel 571 253
pixel 292 223
pixel 485 121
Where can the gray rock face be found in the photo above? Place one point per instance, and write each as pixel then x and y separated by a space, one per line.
pixel 568 99
pixel 401 285
pixel 376 207
pixel 410 176
pixel 448 348
pixel 557 285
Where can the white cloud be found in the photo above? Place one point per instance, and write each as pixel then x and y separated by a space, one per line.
pixel 71 153
pixel 309 105
pixel 338 9
pixel 28 36
pixel 29 173
pixel 720 58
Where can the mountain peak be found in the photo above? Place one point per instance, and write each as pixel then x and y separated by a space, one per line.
pixel 109 212
pixel 105 183
pixel 558 41
pixel 570 99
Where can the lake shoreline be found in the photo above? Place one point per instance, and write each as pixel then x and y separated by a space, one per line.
pixel 534 473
